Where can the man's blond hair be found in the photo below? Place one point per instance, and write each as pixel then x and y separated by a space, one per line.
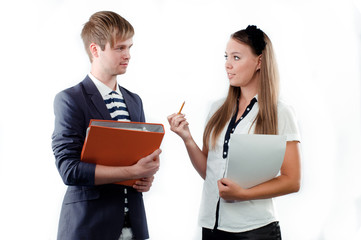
pixel 105 27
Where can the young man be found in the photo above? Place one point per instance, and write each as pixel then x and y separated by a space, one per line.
pixel 93 207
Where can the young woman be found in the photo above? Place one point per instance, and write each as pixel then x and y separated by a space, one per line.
pixel 229 211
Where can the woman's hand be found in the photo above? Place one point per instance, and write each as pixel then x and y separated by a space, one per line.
pixel 178 124
pixel 229 190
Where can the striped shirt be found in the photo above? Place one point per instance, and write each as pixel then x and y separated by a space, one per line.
pixel 113 99
pixel 116 106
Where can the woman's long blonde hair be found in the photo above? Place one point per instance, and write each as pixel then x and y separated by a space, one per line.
pixel 268 90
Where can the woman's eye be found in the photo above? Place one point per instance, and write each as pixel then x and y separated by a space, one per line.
pixel 236 58
pixel 226 57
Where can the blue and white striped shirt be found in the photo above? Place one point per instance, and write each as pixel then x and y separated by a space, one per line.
pixel 116 106
pixel 113 99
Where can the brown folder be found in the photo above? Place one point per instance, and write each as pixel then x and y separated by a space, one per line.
pixel 116 143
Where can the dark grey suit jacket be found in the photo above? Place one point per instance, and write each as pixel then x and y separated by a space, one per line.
pixel 88 211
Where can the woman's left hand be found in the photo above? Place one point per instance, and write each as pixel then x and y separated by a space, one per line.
pixel 229 190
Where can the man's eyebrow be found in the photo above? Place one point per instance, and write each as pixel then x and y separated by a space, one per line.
pixel 123 45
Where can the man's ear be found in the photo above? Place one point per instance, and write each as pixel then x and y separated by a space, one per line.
pixel 94 50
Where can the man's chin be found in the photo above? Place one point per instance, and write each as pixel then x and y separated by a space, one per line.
pixel 121 72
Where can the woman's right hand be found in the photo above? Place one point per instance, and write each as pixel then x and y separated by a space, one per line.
pixel 178 124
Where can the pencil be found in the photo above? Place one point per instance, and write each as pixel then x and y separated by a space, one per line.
pixel 180 110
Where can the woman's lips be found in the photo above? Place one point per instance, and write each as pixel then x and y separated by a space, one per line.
pixel 230 75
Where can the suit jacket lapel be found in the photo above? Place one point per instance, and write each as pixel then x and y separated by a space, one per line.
pixel 130 103
pixel 96 98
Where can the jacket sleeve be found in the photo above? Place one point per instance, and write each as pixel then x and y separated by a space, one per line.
pixel 68 138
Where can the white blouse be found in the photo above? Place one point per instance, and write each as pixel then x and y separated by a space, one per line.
pixel 239 216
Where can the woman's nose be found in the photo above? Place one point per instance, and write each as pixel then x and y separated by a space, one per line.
pixel 228 65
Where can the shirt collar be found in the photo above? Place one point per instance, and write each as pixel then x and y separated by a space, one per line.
pixel 256 97
pixel 102 88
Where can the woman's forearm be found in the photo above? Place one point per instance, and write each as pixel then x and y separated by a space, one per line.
pixel 197 157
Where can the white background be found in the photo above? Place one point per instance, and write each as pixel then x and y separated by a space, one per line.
pixel 178 55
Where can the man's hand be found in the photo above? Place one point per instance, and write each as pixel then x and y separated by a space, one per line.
pixel 144 168
pixel 144 184
pixel 147 166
